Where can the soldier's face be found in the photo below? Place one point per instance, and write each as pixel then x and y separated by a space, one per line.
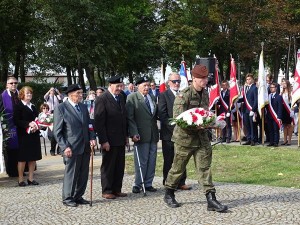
pixel 144 88
pixel 116 88
pixel 200 83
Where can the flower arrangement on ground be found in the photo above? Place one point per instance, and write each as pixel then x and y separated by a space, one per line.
pixel 198 118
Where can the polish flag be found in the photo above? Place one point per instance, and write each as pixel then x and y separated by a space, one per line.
pixel 296 84
pixel 162 84
pixel 214 93
pixel 233 87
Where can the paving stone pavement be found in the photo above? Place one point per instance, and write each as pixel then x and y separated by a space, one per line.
pixel 248 204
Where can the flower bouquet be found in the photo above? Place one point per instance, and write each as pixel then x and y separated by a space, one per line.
pixel 43 120
pixel 199 118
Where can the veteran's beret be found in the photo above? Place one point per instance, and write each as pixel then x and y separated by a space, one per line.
pixel 141 80
pixel 115 80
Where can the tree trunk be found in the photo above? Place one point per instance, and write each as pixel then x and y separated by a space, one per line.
pixel 91 77
pixel 69 75
pixel 17 63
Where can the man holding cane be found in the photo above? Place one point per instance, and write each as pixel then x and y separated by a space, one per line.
pixel 75 139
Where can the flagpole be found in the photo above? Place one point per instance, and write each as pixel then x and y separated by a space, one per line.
pixel 216 113
pixel 238 122
pixel 263 126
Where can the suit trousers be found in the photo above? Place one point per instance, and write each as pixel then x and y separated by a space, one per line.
pixel 168 154
pixel 202 158
pixel 273 131
pixel 75 176
pixel 251 127
pixel 226 131
pixel 112 169
pixel 147 156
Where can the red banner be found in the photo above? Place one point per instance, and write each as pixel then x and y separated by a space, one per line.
pixel 233 87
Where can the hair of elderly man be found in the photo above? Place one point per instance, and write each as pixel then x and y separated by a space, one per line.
pixel 171 74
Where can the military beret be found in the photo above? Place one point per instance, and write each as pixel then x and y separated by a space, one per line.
pixel 141 80
pixel 200 71
pixel 73 87
pixel 115 80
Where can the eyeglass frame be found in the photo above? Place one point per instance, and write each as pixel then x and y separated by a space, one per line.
pixel 176 81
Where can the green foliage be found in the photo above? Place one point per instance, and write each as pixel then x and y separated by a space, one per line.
pixel 39 90
pixel 241 164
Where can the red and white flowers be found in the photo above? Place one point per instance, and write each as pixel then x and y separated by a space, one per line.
pixel 198 118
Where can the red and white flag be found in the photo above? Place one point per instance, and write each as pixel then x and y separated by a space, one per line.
pixel 162 84
pixel 214 93
pixel 296 84
pixel 233 86
pixel 184 80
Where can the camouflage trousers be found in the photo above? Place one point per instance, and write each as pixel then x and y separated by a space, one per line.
pixel 202 159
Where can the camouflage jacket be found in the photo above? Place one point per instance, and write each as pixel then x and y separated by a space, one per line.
pixel 187 99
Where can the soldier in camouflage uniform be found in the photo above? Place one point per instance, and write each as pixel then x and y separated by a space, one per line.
pixel 192 142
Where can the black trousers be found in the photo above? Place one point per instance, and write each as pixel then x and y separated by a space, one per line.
pixel 112 169
pixel 11 162
pixel 168 154
pixel 227 131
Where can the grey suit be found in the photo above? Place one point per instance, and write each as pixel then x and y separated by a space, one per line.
pixel 143 123
pixel 71 129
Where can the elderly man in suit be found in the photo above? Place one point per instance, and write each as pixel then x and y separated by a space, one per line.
pixel 73 133
pixel 165 113
pixel 142 124
pixel 111 128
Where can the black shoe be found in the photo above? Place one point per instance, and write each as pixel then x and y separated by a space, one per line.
pixel 82 202
pixel 169 198
pixel 252 143
pixel 213 204
pixel 269 145
pixel 284 143
pixel 275 145
pixel 136 190
pixel 70 204
pixel 22 184
pixel 33 182
pixel 247 143
pixel 228 141
pixel 52 153
pixel 151 189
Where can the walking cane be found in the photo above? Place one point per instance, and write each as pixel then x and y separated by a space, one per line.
pixel 92 167
pixel 138 158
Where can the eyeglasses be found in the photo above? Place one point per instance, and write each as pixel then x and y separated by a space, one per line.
pixel 13 83
pixel 176 81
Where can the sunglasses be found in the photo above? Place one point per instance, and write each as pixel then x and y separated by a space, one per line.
pixel 13 83
pixel 176 81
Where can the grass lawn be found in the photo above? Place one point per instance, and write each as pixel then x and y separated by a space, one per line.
pixel 248 165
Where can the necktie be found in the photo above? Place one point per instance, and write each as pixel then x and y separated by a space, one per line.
pixel 117 99
pixel 147 103
pixel 247 88
pixel 77 107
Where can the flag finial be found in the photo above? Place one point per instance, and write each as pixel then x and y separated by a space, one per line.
pixel 262 45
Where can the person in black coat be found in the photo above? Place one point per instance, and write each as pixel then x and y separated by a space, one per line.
pixel 111 128
pixel 274 115
pixel 165 112
pixel 28 134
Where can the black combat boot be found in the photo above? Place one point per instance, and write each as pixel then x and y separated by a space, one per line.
pixel 169 198
pixel 213 204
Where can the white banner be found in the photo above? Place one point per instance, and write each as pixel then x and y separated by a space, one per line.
pixel 263 99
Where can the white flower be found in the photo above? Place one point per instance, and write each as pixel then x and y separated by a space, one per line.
pixel 4 126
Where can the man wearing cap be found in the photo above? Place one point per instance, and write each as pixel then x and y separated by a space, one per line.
pixel 142 126
pixel 111 128
pixel 72 132
pixel 192 142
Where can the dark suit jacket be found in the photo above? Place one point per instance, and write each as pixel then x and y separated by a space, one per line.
pixel 110 120
pixel 276 103
pixel 140 120
pixel 251 96
pixel 165 112
pixel 226 99
pixel 70 130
